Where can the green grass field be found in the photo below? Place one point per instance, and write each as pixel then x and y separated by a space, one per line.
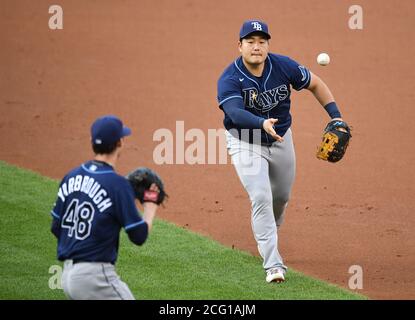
pixel 173 264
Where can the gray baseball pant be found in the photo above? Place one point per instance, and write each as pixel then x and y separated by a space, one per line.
pixel 93 281
pixel 267 174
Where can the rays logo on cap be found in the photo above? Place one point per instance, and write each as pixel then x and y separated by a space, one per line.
pixel 257 26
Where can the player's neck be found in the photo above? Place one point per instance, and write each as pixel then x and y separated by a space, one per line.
pixel 111 159
pixel 255 69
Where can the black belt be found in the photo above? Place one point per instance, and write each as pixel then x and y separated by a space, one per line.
pixel 79 261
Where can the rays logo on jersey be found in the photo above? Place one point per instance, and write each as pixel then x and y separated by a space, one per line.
pixel 267 100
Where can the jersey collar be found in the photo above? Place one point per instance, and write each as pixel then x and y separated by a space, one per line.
pixel 102 164
pixel 97 167
pixel 267 71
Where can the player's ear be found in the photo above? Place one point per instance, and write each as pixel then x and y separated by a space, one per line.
pixel 240 45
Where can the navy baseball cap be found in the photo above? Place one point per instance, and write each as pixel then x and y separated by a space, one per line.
pixel 252 26
pixel 107 130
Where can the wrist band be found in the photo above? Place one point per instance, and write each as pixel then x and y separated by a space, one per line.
pixel 332 110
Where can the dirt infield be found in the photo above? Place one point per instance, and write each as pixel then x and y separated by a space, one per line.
pixel 157 62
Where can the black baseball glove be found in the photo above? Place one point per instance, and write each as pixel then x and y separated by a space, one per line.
pixel 336 137
pixel 141 180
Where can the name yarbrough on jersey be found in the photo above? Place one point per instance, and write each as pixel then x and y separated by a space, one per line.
pixel 89 186
pixel 267 100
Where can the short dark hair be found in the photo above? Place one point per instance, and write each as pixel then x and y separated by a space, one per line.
pixel 104 148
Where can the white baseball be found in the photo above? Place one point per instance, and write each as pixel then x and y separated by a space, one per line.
pixel 323 59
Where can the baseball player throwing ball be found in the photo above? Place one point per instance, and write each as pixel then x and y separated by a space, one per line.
pixel 254 94
pixel 93 204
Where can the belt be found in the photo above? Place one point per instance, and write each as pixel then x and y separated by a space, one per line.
pixel 79 261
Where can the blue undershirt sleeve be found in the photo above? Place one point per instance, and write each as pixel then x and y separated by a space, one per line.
pixel 56 228
pixel 128 216
pixel 234 108
pixel 138 234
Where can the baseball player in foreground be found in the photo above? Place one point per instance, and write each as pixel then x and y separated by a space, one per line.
pixel 93 204
pixel 254 94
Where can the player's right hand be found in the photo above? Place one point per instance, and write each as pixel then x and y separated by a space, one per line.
pixel 268 126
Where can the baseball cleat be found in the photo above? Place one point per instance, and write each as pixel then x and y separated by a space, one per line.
pixel 275 275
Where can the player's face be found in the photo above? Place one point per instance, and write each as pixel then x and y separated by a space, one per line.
pixel 254 49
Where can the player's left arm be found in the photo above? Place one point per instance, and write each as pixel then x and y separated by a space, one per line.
pixel 56 228
pixel 56 218
pixel 323 94
pixel 56 212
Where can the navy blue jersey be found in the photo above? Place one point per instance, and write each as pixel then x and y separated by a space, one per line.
pixel 265 97
pixel 93 204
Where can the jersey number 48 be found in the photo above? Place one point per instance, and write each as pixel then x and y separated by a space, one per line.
pixel 77 219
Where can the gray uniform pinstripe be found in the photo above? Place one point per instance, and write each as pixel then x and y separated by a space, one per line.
pixel 267 174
